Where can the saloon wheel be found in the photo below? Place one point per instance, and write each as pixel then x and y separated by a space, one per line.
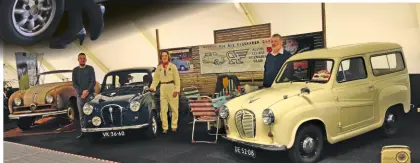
pixel 152 130
pixel 26 22
pixel 308 145
pixel 72 112
pixel 25 123
pixel 391 123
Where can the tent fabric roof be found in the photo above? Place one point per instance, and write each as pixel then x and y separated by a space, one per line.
pixel 131 42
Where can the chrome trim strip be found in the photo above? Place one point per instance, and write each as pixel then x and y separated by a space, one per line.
pixel 114 128
pixel 30 114
pixel 260 146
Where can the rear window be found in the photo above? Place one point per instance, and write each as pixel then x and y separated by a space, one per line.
pixel 387 63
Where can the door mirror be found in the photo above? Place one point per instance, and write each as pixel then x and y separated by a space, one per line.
pixel 305 90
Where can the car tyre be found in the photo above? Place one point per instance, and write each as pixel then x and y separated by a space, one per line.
pixel 153 128
pixel 10 33
pixel 25 123
pixel 308 145
pixel 6 114
pixel 72 112
pixel 391 123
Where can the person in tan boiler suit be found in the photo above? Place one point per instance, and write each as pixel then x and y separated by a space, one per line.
pixel 168 76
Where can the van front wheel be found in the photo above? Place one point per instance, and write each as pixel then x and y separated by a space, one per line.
pixel 308 145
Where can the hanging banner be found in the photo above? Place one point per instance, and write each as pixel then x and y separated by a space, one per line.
pixel 249 55
pixel 182 58
pixel 27 69
pixel 239 56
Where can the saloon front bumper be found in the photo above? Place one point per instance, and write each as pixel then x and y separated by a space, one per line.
pixel 30 114
pixel 102 129
pixel 260 146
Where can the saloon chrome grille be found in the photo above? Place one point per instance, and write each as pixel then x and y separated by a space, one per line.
pixel 112 115
pixel 245 123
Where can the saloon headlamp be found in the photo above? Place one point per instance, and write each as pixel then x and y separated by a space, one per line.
pixel 135 106
pixel 49 99
pixel 18 101
pixel 223 112
pixel 87 109
pixel 96 121
pixel 268 116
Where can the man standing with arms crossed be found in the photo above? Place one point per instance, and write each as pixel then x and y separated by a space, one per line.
pixel 84 82
pixel 274 60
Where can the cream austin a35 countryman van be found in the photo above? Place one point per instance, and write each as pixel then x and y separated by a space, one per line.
pixel 342 92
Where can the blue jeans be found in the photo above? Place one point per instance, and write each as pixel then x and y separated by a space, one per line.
pixel 80 103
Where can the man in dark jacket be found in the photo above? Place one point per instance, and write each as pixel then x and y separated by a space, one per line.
pixel 84 82
pixel 274 60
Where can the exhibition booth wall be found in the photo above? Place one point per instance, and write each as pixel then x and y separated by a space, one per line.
pixel 131 41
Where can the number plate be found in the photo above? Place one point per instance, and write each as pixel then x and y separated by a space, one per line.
pixel 245 151
pixel 113 133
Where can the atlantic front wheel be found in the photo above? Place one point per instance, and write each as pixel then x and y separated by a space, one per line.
pixel 308 145
pixel 153 128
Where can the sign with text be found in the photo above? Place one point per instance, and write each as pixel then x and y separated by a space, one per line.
pixel 249 55
pixel 239 56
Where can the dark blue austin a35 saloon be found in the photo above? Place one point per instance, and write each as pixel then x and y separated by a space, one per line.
pixel 123 104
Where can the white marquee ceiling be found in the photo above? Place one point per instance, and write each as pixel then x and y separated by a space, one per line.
pixel 132 42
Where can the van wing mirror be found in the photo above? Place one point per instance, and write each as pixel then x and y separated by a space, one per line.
pixel 305 90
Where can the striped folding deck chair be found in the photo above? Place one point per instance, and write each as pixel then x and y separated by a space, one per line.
pixel 203 111
pixel 192 93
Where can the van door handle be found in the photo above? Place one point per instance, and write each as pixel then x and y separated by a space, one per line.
pixel 371 86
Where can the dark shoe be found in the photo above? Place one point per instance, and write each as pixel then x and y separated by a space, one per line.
pixel 174 130
pixel 164 132
pixel 61 43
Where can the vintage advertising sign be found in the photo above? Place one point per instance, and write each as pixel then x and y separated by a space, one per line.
pixel 182 58
pixel 249 55
pixel 237 56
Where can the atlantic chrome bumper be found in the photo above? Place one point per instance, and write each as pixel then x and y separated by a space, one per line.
pixel 114 128
pixel 260 146
pixel 17 116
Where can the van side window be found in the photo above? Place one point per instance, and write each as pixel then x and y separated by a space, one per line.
pixel 351 69
pixel 387 63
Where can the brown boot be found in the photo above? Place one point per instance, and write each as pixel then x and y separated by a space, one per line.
pixel 164 132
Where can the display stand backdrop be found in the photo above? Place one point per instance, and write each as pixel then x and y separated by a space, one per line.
pixel 249 55
pixel 27 69
pixel 246 58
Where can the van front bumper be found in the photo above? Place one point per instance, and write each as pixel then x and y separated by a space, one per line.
pixel 260 146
